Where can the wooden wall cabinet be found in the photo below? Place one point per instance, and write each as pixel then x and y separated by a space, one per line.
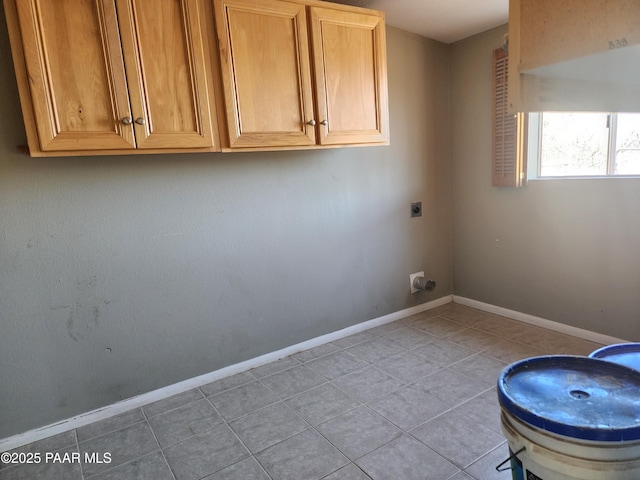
pixel 302 74
pixel 113 76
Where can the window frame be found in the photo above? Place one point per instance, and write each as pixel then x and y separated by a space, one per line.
pixel 533 146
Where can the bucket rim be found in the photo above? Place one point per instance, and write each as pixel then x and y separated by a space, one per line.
pixel 513 406
pixel 615 349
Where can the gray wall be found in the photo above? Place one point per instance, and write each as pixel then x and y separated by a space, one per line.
pixel 564 250
pixel 123 274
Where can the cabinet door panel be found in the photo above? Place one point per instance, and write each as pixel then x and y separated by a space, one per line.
pixel 350 65
pixel 164 55
pixel 76 74
pixel 266 73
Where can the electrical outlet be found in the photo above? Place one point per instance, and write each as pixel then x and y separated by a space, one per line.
pixel 416 209
pixel 411 277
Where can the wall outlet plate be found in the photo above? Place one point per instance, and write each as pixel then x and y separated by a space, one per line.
pixel 411 277
pixel 416 209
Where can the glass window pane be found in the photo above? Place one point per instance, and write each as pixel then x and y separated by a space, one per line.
pixel 627 156
pixel 574 144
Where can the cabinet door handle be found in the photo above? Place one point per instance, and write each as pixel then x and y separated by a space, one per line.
pixel 140 121
pixel 324 122
pixel 126 121
pixel 312 122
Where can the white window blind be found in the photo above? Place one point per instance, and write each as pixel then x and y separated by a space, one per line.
pixel 508 129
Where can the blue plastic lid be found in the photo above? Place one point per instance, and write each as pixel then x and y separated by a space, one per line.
pixel 578 397
pixel 623 353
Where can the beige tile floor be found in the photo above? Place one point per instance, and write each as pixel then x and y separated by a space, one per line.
pixel 412 399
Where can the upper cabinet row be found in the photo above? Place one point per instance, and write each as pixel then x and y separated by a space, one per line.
pixel 132 76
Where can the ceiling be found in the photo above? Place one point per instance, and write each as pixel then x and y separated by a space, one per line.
pixel 443 20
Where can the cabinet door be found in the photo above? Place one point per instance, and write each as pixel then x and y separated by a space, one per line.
pixel 266 74
pixel 171 98
pixel 349 54
pixel 76 74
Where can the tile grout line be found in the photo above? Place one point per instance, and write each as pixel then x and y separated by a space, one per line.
pixel 349 461
pixel 75 436
pixel 366 406
pixel 158 442
pixel 481 457
pixel 102 434
pixel 190 402
pixel 145 420
pixel 309 425
pixel 251 454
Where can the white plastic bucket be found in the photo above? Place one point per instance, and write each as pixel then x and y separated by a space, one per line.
pixel 553 457
pixel 600 441
pixel 627 354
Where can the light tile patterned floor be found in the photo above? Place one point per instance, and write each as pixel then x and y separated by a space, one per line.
pixel 413 399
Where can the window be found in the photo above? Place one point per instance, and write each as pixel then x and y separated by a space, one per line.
pixel 583 144
pixel 558 144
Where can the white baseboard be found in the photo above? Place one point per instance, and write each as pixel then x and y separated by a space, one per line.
pixel 83 419
pixel 540 322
